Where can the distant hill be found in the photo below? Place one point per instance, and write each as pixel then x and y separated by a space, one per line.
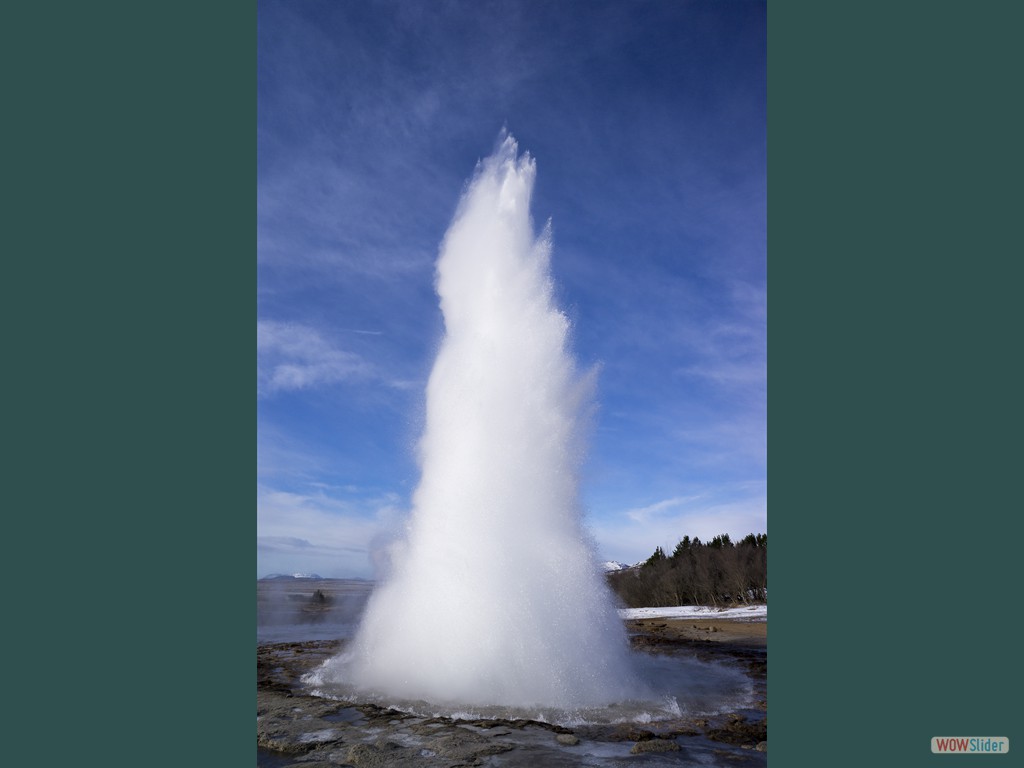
pixel 292 576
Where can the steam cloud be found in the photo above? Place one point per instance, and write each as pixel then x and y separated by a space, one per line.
pixel 496 597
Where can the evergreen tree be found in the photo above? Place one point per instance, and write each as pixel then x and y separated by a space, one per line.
pixel 719 572
pixel 681 548
pixel 657 557
pixel 720 541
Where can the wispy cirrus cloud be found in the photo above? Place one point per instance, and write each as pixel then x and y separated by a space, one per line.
pixel 633 535
pixel 644 514
pixel 292 357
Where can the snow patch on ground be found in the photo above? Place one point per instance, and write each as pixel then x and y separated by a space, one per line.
pixel 746 613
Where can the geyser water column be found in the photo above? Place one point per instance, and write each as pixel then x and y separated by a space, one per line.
pixel 495 595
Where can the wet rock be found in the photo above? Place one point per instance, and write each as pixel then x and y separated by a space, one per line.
pixel 294 724
pixel 320 733
pixel 682 731
pixel 278 743
pixel 380 716
pixel 627 732
pixel 518 724
pixel 654 745
pixel 426 728
pixel 460 744
pixel 739 731
pixel 726 758
pixel 383 754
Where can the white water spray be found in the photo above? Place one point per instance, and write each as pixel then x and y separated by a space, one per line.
pixel 496 597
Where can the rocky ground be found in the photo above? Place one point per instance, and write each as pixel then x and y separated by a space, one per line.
pixel 294 729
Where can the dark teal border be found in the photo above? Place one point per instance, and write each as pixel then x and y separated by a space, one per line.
pixel 895 414
pixel 129 291
pixel 128 304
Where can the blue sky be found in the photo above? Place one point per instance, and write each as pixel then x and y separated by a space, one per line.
pixel 648 124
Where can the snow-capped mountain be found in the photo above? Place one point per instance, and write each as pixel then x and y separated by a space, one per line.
pixel 613 565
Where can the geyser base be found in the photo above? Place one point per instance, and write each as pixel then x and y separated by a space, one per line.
pixel 669 686
pixel 296 729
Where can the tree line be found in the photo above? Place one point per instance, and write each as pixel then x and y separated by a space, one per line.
pixel 715 573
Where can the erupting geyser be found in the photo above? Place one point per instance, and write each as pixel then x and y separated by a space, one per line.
pixel 496 597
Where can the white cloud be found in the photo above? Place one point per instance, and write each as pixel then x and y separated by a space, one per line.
pixel 632 536
pixel 729 372
pixel 288 544
pixel 292 356
pixel 643 514
pixel 280 455
pixel 332 535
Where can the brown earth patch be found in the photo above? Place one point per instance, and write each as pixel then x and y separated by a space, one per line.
pixel 727 631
